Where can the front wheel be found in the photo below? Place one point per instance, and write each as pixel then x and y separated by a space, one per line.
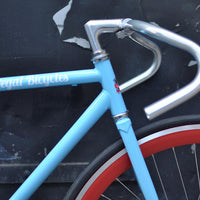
pixel 171 154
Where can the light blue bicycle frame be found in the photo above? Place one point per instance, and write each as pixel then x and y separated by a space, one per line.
pixel 109 98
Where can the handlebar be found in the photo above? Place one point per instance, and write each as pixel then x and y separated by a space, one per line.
pixel 173 39
pixel 151 70
pixel 128 26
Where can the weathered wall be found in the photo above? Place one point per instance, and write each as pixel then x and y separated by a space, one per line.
pixel 48 36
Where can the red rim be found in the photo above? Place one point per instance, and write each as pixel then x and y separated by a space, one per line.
pixel 156 145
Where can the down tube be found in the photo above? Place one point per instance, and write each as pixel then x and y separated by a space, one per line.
pixel 65 145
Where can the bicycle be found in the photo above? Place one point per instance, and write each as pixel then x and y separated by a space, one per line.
pixel 115 160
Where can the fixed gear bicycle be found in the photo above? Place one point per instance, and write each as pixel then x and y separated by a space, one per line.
pixel 110 98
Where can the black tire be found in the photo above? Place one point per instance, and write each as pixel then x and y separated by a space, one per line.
pixel 185 131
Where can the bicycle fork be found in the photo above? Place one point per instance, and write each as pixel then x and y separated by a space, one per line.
pixel 139 166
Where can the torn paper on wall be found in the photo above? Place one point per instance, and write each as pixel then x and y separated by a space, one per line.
pixel 60 17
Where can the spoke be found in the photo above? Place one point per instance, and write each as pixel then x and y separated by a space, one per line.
pixel 105 197
pixel 180 174
pixel 128 189
pixel 196 163
pixel 159 176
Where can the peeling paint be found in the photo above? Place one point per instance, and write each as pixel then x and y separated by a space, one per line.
pixel 16 154
pixel 59 18
pixel 4 155
pixel 177 25
pixel 79 41
pixel 192 63
pixel 197 7
pixel 11 133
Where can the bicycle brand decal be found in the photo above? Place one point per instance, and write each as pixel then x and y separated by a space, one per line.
pixel 33 80
pixel 47 79
pixel 117 86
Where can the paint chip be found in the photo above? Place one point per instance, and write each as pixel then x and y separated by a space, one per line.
pixel 192 63
pixel 60 16
pixel 197 7
pixel 79 41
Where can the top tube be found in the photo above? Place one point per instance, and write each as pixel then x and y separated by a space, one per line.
pixel 49 79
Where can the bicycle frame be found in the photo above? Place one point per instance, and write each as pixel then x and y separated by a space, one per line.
pixel 109 98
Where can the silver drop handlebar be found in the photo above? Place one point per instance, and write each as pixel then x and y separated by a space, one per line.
pixel 151 70
pixel 127 27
